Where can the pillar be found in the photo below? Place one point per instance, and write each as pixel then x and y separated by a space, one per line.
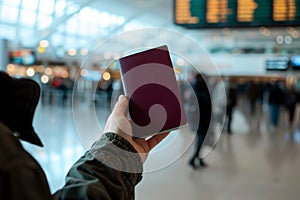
pixel 3 54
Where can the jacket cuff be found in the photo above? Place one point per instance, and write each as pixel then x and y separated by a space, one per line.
pixel 116 152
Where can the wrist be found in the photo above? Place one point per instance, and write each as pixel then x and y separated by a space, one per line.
pixel 116 152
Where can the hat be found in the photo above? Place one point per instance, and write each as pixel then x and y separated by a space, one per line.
pixel 18 100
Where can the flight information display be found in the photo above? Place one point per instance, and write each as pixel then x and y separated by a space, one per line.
pixel 236 13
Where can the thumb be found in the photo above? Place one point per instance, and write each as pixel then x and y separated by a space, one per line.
pixel 121 107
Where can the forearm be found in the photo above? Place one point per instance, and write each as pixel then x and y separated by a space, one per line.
pixel 110 170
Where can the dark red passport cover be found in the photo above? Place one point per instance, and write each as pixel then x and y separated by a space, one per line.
pixel 149 82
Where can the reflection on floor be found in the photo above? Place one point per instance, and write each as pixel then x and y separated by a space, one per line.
pixel 256 162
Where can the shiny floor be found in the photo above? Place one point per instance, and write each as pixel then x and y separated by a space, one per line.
pixel 256 162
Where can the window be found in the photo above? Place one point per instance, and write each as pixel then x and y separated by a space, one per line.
pixel 46 6
pixel 7 32
pixel 60 7
pixel 9 14
pixel 44 21
pixel 12 2
pixel 30 4
pixel 27 18
pixel 72 26
pixel 26 34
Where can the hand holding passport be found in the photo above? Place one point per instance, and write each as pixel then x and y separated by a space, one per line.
pixel 150 84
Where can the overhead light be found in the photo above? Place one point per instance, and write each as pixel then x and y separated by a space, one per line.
pixel 64 74
pixel 44 79
pixel 30 72
pixel 289 28
pixel 107 55
pixel 48 71
pixel 295 34
pixel 288 39
pixel 279 39
pixel 261 28
pixel 84 51
pixel 72 52
pixel 40 68
pixel 226 31
pixel 44 43
pixel 106 76
pixel 117 56
pixel 180 62
pixel 265 31
pixel 41 49
pixel 10 67
pixel 83 72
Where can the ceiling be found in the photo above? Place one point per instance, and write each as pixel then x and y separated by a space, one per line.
pixel 159 13
pixel 85 23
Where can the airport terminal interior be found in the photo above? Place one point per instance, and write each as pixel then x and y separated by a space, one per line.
pixel 244 49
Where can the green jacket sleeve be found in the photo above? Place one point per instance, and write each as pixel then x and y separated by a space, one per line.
pixel 109 170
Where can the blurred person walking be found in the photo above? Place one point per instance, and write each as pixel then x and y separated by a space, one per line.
pixel 290 103
pixel 219 99
pixel 252 95
pixel 276 99
pixel 203 102
pixel 231 103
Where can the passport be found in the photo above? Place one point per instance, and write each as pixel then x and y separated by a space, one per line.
pixel 149 82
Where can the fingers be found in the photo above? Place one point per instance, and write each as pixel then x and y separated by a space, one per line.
pixel 107 125
pixel 121 106
pixel 155 140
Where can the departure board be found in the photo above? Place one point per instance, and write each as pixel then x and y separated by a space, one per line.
pixel 236 13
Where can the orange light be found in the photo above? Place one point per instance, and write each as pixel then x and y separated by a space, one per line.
pixel 10 67
pixel 64 74
pixel 106 76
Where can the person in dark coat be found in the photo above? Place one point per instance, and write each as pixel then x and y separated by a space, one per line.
pixel 290 103
pixel 101 173
pixel 202 125
pixel 252 95
pixel 276 99
pixel 231 103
